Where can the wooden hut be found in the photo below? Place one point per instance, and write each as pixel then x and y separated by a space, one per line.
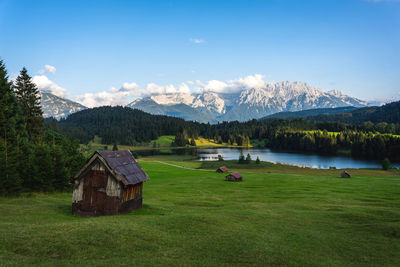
pixel 345 174
pixel 222 169
pixel 110 183
pixel 234 177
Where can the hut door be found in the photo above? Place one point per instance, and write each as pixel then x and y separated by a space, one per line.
pixel 99 185
pixel 94 191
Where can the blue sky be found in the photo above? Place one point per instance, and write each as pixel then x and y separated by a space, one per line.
pixel 100 48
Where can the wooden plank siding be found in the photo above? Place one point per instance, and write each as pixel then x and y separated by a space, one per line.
pixel 132 192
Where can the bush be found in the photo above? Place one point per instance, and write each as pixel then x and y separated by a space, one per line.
pixel 258 160
pixel 386 164
pixel 248 158
pixel 241 159
pixel 220 158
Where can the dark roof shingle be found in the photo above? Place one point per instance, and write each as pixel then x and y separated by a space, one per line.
pixel 125 164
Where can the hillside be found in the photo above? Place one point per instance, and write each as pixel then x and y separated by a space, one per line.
pixel 309 112
pixel 389 113
pixel 121 125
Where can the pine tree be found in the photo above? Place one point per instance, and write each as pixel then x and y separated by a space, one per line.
pixel 248 158
pixel 386 164
pixel 29 101
pixel 241 158
pixel 115 147
pixel 258 160
pixel 192 142
pixel 10 180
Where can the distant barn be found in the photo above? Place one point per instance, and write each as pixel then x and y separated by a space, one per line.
pixel 222 169
pixel 345 174
pixel 234 177
pixel 110 183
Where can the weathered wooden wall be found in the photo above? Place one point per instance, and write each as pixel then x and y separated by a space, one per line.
pixel 97 192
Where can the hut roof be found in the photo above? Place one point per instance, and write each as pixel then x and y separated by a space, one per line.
pixel 120 163
pixel 236 175
pixel 223 168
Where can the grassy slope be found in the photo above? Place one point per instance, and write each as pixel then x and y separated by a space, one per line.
pixel 195 218
pixel 165 140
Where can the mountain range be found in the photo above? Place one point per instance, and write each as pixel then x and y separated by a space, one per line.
pixel 57 107
pixel 246 104
pixel 243 105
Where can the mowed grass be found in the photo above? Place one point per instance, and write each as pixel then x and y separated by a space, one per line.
pixel 164 141
pixel 194 217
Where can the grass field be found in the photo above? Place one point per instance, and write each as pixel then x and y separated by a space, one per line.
pixel 194 217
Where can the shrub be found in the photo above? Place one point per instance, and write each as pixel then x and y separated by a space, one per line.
pixel 248 158
pixel 220 158
pixel 258 160
pixel 241 159
pixel 386 164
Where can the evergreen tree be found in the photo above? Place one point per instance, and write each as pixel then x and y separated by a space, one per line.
pixel 248 158
pixel 192 142
pixel 386 164
pixel 10 180
pixel 180 139
pixel 29 101
pixel 241 158
pixel 60 177
pixel 115 147
pixel 258 160
pixel 43 171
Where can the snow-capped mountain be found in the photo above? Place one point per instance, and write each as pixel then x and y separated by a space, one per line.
pixel 248 103
pixel 57 107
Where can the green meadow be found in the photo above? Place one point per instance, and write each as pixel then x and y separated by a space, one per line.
pixel 193 217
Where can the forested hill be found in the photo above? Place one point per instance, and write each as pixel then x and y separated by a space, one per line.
pixel 122 125
pixel 308 113
pixel 389 113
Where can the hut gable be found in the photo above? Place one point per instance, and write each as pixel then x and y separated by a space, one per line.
pixel 110 182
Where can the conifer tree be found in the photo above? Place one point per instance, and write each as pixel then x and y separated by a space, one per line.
pixel 29 101
pixel 10 180
pixel 248 158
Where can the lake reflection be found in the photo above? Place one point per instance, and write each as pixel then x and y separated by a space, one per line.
pixel 298 159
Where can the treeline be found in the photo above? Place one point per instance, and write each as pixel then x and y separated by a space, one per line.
pixel 389 113
pixel 32 156
pixel 366 145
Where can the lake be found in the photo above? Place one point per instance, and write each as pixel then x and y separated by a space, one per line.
pixel 298 159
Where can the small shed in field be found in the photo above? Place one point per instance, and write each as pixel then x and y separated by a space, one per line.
pixel 111 182
pixel 234 177
pixel 222 169
pixel 345 174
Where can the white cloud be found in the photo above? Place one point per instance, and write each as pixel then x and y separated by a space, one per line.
pixel 215 86
pixel 112 97
pixel 251 81
pixel 49 69
pixel 129 87
pixel 196 41
pixel 130 91
pixel 45 84
pixel 232 86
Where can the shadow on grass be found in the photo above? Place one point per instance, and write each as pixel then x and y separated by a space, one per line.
pixel 146 210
